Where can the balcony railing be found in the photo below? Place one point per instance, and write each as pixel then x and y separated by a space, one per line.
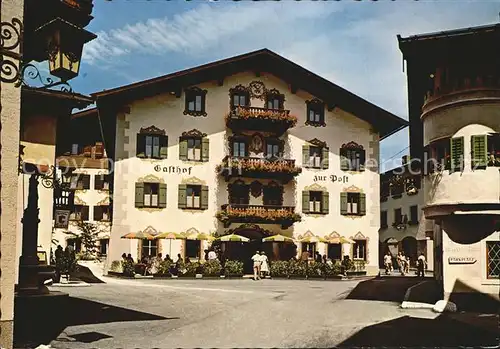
pixel 262 119
pixel 268 214
pixel 256 167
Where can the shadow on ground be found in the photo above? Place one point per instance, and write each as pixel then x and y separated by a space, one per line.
pixel 83 273
pixel 389 289
pixel 33 327
pixel 476 323
pixel 444 331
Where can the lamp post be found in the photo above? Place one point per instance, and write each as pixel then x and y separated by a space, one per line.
pixel 53 31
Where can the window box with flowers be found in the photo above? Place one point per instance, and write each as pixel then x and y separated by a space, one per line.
pixel 268 214
pixel 258 167
pixel 262 119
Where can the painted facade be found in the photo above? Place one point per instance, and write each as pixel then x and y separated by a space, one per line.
pixel 194 195
pixel 458 93
pixel 403 227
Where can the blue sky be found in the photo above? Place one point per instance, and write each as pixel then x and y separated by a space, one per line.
pixel 351 43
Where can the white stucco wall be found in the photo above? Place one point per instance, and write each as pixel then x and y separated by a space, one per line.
pixel 88 197
pixel 166 112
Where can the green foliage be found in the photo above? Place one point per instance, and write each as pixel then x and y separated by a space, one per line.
pixel 192 268
pixel 233 268
pixel 212 268
pixel 279 269
pixel 165 267
pixel 88 236
pixel 296 268
pixel 128 268
pixel 116 266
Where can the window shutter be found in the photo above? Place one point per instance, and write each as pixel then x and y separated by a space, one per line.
pixel 325 158
pixel 183 149
pixel 204 197
pixel 325 202
pixel 205 148
pixel 139 194
pixel 86 181
pixel 305 156
pixel 362 204
pixel 305 201
pixel 344 163
pixel 98 182
pixel 162 195
pixel 141 146
pixel 181 202
pixel 163 147
pixel 479 154
pixel 362 160
pixel 97 213
pixel 457 152
pixel 85 213
pixel 343 203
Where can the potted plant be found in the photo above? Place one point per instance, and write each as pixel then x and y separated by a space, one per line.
pixel 357 268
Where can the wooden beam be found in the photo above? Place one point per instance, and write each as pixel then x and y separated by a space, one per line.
pixel 293 89
pixel 178 92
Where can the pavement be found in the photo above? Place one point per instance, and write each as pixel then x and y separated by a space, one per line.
pixel 266 313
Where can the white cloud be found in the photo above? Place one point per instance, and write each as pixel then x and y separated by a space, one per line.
pixel 357 50
pixel 200 29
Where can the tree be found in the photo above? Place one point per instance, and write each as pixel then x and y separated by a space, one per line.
pixel 88 236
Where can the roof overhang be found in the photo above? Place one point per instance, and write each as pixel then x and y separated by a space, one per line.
pixel 297 77
pixel 67 99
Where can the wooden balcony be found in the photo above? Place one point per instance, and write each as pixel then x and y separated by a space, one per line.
pixel 266 214
pixel 253 167
pixel 260 119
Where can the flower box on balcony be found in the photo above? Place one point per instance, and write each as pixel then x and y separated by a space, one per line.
pixel 258 168
pixel 284 215
pixel 262 119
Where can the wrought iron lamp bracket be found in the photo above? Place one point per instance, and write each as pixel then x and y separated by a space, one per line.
pixel 12 68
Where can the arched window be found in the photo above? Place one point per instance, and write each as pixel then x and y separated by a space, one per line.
pixel 239 97
pixel 274 99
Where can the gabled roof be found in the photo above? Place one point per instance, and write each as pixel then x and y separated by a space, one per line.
pixel 263 60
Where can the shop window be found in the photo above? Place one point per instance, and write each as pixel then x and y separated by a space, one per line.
pixel 193 249
pixel 353 204
pixel 335 251
pixel 195 102
pixel 150 195
pixel 359 250
pixel 149 248
pixel 493 259
pixel 79 213
pixel 352 157
pixel 309 247
pixel 383 219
